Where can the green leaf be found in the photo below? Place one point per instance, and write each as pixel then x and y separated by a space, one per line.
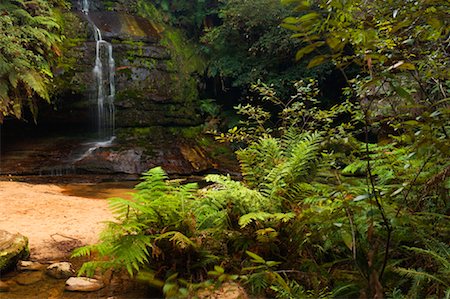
pixel 402 92
pixel 411 122
pixel 407 66
pixel 308 49
pixel 291 27
pixel 255 258
pixel 272 263
pixel 318 60
pixel 291 20
pixel 335 44
pixel 347 238
pixel 301 5
pixel 309 17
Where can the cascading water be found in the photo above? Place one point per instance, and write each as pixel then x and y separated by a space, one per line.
pixel 104 73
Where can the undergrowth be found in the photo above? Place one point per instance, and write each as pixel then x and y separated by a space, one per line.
pixel 318 214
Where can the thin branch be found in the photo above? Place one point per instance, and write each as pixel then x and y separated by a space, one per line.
pixel 405 197
pixel 350 219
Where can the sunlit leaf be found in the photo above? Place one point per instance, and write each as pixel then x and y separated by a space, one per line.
pixel 318 60
pixel 347 238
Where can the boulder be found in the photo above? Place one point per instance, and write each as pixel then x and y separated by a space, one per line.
pixel 13 247
pixel 60 270
pixel 83 284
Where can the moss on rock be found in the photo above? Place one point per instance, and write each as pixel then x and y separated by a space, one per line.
pixel 13 247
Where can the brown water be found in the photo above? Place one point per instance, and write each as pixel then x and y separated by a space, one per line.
pixel 101 190
pixel 49 287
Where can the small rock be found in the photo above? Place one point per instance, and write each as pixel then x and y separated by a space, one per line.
pixel 4 287
pixel 83 284
pixel 29 266
pixel 228 290
pixel 27 278
pixel 60 270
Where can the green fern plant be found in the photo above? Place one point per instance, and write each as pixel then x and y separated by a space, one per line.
pixel 29 39
pixel 157 212
pixel 436 258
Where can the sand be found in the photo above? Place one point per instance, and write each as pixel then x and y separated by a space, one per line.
pixel 55 223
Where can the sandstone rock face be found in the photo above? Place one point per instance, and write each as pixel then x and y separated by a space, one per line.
pixel 13 247
pixel 154 85
pixel 180 159
pixel 83 284
pixel 60 270
pixel 156 101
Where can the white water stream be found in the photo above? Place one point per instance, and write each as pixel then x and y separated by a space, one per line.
pixel 104 74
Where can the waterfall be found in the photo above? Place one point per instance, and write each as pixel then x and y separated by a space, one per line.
pixel 104 73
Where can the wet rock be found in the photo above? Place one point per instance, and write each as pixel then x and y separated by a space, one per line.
pixel 29 266
pixel 175 157
pixel 196 157
pixel 105 160
pixel 60 270
pixel 4 287
pixel 83 284
pixel 122 26
pixel 29 278
pixel 13 247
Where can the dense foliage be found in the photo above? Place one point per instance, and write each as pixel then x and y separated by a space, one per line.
pixel 243 41
pixel 315 215
pixel 29 37
pixel 350 200
pixel 249 44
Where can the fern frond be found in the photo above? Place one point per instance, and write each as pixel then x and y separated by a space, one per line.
pixel 304 158
pixel 84 251
pixel 178 239
pixel 89 268
pixel 300 165
pixel 443 260
pixel 152 179
pixel 36 82
pixel 421 275
pixel 132 251
pixel 45 21
pixel 258 159
pixel 263 216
